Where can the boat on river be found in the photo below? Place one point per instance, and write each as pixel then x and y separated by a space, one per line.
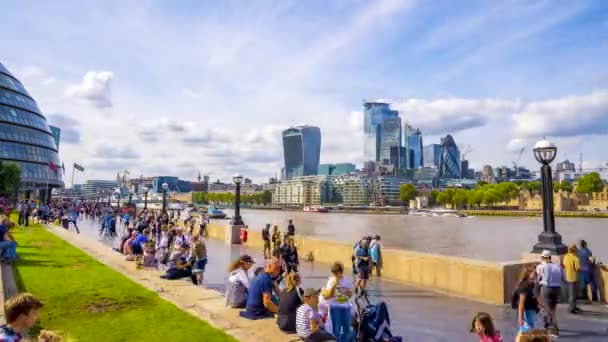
pixel 215 213
pixel 316 209
pixel 436 213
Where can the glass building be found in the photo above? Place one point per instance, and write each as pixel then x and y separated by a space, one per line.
pixel 413 145
pixel 449 164
pixel 26 139
pixel 301 151
pixel 382 130
pixel 336 169
pixel 432 155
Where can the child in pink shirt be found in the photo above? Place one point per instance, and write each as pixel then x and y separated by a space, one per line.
pixel 483 326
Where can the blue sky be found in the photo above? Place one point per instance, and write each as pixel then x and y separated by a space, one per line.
pixel 179 86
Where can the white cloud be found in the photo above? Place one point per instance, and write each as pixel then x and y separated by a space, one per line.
pixel 451 115
pixel 34 74
pixel 108 151
pixel 564 117
pixel 516 144
pixel 94 88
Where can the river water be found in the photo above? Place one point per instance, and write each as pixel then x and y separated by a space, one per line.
pixel 484 237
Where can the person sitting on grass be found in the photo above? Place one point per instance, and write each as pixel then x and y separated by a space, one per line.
pixel 128 247
pixel 309 325
pixel 178 266
pixel 150 260
pixel 259 298
pixel 22 313
pixel 198 255
pixel 8 245
pixel 140 240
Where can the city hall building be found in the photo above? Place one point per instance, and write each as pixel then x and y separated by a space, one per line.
pixel 26 139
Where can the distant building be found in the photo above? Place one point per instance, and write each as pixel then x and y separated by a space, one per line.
pixel 414 148
pixel 353 190
pixel 247 181
pixel 89 190
pixel 301 151
pixel 382 130
pixel 432 155
pixel 175 184
pixel 449 164
pixel 487 174
pixel 56 135
pixel 303 191
pixel 399 158
pixel 272 180
pixel 336 169
pixel 218 187
pixel 386 190
pixel 200 186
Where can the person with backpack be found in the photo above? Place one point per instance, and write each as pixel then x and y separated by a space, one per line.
pixel 289 255
pixel 291 229
pixel 238 282
pixel 549 279
pixel 266 239
pixel 524 300
pixel 363 263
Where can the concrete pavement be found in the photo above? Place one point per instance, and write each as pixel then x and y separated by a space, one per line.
pixel 416 314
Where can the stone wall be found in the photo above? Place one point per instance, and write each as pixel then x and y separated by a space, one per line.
pixel 482 281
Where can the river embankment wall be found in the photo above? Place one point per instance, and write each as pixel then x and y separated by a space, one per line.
pixel 483 281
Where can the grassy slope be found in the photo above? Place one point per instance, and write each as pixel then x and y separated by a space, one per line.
pixel 88 301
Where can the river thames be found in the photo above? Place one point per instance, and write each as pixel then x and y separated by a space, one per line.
pixel 483 237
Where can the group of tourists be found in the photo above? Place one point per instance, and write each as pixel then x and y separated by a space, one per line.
pixel 366 259
pixel 539 291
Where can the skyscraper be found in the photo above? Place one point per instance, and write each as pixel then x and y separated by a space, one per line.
pixel 432 155
pixel 413 145
pixel 301 151
pixel 449 164
pixel 382 130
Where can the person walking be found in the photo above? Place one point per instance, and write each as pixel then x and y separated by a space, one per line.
pixel 375 250
pixel 549 278
pixel 276 238
pixel 266 239
pixel 363 263
pixel 525 300
pixel 587 271
pixel 572 267
pixel 291 229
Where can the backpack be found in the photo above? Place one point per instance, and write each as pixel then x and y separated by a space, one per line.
pixel 236 295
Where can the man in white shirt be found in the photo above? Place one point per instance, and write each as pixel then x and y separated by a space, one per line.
pixel 549 279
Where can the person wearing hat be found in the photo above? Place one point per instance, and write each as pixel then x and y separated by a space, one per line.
pixel 309 325
pixel 549 280
pixel 572 266
pixel 587 268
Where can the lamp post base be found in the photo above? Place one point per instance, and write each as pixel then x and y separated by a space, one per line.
pixel 233 235
pixel 550 241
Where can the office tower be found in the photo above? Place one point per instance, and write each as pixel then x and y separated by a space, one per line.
pixel 432 155
pixel 301 151
pixel 449 164
pixel 382 130
pixel 413 145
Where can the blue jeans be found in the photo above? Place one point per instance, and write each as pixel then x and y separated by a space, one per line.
pixel 587 277
pixel 8 249
pixel 341 320
pixel 529 321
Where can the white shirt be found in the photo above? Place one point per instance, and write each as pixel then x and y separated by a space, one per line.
pixel 550 274
pixel 304 316
pixel 346 283
pixel 240 275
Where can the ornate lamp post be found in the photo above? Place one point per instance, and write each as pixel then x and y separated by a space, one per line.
pixel 237 220
pixel 146 197
pixel 165 188
pixel 130 196
pixel 117 194
pixel 545 152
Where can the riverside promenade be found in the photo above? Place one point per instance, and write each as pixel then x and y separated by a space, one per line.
pixel 416 314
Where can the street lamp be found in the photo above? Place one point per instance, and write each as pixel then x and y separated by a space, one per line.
pixel 165 188
pixel 130 196
pixel 146 197
pixel 545 152
pixel 237 220
pixel 117 194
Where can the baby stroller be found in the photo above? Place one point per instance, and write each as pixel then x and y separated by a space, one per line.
pixel 373 321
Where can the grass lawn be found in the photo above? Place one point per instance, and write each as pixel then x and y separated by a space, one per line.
pixel 87 301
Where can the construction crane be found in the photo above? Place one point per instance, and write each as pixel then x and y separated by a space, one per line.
pixel 516 162
pixel 464 154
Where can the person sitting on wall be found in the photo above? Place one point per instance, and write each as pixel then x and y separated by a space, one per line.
pixel 178 265
pixel 259 298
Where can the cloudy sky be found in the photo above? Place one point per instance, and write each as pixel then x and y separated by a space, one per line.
pixel 174 87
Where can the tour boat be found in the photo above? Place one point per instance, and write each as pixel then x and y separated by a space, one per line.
pixel 437 213
pixel 215 213
pixel 316 209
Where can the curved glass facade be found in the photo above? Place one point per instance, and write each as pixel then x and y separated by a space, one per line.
pixel 302 151
pixel 450 158
pixel 25 137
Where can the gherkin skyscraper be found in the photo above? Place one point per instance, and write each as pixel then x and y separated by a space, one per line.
pixel 26 139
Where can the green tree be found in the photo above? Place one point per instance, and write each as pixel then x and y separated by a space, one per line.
pixel 475 198
pixel 460 198
pixel 556 186
pixel 267 197
pixel 481 183
pixel 433 197
pixel 589 183
pixel 10 178
pixel 407 192
pixel 443 198
pixel 491 197
pixel 532 187
pixel 566 186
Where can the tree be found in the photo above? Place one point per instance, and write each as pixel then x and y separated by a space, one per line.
pixel 589 183
pixel 490 197
pixel 460 197
pixel 407 192
pixel 566 186
pixel 556 186
pixel 267 197
pixel 475 197
pixel 433 197
pixel 10 178
pixel 443 198
pixel 532 187
pixel 481 183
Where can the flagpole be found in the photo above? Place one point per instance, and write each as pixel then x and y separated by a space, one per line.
pixel 72 177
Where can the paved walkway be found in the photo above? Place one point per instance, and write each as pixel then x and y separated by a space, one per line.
pixel 416 314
